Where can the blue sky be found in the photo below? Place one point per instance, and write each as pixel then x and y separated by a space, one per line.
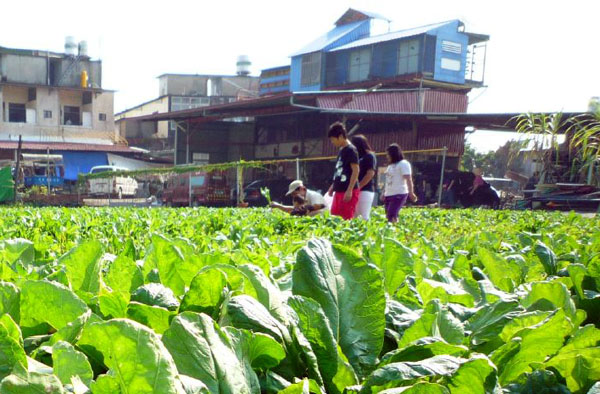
pixel 542 56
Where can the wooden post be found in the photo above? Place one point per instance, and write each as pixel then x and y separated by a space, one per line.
pixel 18 168
pixel 48 170
pixel 442 176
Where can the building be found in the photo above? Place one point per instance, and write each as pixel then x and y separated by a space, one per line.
pixel 356 53
pixel 54 97
pixel 181 92
pixel 274 80
pixel 408 86
pixel 56 104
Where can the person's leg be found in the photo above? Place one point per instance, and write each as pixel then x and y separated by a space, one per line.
pixel 396 202
pixel 346 209
pixel 387 202
pixel 352 204
pixel 362 206
pixel 337 204
pixel 365 202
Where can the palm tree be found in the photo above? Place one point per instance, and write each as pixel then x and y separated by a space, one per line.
pixel 542 131
pixel 585 142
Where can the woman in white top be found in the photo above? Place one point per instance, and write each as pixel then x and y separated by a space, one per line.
pixel 398 183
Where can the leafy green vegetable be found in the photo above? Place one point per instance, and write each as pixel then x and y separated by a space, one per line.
pixel 350 291
pixel 203 351
pixel 137 360
pixel 68 362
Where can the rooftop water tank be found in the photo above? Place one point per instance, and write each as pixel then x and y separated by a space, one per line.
pixel 83 48
pixel 243 65
pixel 70 46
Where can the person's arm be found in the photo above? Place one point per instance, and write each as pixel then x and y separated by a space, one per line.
pixel 366 179
pixel 411 188
pixel 353 180
pixel 284 208
pixel 330 190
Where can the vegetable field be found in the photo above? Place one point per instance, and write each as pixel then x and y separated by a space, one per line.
pixel 250 301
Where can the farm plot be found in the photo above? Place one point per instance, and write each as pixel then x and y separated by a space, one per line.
pixel 249 301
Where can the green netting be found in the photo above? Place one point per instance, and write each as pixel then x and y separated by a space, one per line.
pixel 7 191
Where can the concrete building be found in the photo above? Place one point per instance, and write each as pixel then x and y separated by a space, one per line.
pixel 56 103
pixel 181 92
pixel 54 97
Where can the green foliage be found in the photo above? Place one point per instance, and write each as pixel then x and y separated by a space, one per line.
pixel 254 301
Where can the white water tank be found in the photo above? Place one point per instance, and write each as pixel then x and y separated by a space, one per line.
pixel 243 65
pixel 83 48
pixel 70 46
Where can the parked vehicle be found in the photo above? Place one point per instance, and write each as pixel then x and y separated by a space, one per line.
pixel 37 168
pixel 118 186
pixel 207 189
pixel 278 188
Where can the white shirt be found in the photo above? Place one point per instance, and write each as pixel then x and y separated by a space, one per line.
pixel 394 178
pixel 314 198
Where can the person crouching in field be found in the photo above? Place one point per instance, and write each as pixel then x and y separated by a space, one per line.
pixel 344 189
pixel 300 206
pixel 312 198
pixel 398 183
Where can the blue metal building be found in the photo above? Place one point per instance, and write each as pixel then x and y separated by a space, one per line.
pixel 353 54
pixel 274 80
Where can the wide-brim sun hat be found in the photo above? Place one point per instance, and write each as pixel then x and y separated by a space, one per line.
pixel 293 186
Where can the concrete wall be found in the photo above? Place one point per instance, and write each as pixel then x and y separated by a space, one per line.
pixel 52 129
pixel 197 85
pixel 103 103
pixel 34 70
pixel 47 100
pixel 159 105
pixel 23 69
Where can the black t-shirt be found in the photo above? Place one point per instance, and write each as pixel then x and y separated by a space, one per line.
pixel 343 169
pixel 366 163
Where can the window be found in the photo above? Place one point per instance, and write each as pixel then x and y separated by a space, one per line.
pixel 408 57
pixel 360 62
pixel 102 117
pixel 450 64
pixel 16 113
pixel 311 69
pixel 47 114
pixel 72 116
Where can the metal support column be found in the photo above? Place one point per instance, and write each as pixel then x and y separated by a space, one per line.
pixel 48 169
pixel 297 168
pixel 442 176
pixel 18 167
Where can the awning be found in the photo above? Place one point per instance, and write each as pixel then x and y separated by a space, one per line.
pixel 81 162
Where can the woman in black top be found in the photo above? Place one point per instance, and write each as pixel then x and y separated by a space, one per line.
pixel 366 177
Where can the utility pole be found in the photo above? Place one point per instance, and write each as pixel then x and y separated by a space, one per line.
pixel 18 168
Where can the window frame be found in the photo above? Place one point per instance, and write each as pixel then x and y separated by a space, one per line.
pixel 362 65
pixel 310 73
pixel 408 57
pixel 11 112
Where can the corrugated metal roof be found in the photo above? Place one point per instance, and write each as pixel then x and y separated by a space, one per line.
pixel 434 102
pixel 391 36
pixel 66 146
pixel 353 13
pixel 329 38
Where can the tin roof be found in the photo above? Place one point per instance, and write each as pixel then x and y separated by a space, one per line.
pixel 329 38
pixel 353 15
pixel 392 36
pixel 55 146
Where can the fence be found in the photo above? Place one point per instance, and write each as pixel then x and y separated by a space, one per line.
pixel 237 182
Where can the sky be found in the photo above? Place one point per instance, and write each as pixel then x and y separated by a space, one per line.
pixel 542 55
